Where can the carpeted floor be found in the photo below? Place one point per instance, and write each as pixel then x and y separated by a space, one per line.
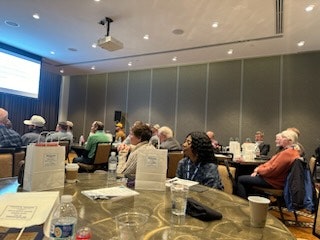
pixel 302 230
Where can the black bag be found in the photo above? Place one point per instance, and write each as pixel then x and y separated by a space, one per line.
pixel 201 212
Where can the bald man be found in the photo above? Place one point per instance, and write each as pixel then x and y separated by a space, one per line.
pixel 8 137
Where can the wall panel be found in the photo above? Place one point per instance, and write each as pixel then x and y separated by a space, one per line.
pixel 301 98
pixel 96 101
pixel 191 100
pixel 139 96
pixel 224 100
pixel 164 92
pixel 261 98
pixel 116 98
pixel 77 104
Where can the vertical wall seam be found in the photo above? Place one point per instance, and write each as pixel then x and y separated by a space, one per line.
pixel 206 99
pixel 177 100
pixel 241 99
pixel 105 99
pixel 85 105
pixel 127 98
pixel 150 97
pixel 281 93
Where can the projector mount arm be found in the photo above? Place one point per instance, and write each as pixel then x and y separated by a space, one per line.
pixel 106 22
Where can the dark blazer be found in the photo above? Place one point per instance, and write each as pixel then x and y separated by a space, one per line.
pixel 264 149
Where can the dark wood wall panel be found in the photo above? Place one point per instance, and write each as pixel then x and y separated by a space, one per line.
pixel 191 100
pixel 224 99
pixel 164 92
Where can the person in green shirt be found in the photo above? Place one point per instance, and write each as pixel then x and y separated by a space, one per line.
pixel 98 136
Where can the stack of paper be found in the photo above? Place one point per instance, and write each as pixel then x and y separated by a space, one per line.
pixel 107 193
pixel 188 183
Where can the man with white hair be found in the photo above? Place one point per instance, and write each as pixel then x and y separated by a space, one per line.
pixel 35 126
pixel 8 137
pixel 166 139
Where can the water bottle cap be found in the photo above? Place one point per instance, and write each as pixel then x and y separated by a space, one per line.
pixel 113 153
pixel 66 198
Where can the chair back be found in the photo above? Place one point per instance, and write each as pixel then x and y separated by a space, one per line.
pixel 66 144
pixel 173 159
pixel 102 153
pixel 227 175
pixel 18 157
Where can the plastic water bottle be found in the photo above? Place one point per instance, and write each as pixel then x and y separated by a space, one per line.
pixel 81 140
pixel 112 167
pixel 257 151
pixel 64 220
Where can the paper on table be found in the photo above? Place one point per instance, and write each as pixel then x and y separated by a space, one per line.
pixel 112 192
pixel 188 183
pixel 25 209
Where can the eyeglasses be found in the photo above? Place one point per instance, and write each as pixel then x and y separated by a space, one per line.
pixel 188 141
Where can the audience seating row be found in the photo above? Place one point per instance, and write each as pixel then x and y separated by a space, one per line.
pixel 9 161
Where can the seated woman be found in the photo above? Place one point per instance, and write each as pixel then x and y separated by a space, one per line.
pixel 273 173
pixel 199 163
pixel 140 135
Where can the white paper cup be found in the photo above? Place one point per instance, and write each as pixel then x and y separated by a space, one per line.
pixel 130 225
pixel 258 210
pixel 72 172
pixel 179 194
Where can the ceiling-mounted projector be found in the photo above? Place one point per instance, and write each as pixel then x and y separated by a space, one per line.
pixel 110 43
pixel 107 42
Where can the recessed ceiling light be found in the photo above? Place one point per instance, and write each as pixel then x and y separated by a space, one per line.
pixel 97 0
pixel 301 43
pixel 309 8
pixel 36 16
pixel 178 31
pixel 146 37
pixel 11 24
pixel 61 71
pixel 174 59
pixel 129 64
pixel 230 51
pixel 215 24
pixel 93 67
pixel 94 45
pixel 52 52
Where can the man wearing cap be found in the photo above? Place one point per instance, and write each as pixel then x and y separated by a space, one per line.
pixel 35 126
pixel 119 132
pixel 60 134
pixel 8 137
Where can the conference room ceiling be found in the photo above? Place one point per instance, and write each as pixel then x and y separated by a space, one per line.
pixel 180 29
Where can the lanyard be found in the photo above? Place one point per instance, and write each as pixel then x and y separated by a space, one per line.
pixel 195 171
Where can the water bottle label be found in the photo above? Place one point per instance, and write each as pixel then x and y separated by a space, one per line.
pixel 62 231
pixel 112 166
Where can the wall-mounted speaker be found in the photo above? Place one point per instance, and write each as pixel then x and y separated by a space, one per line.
pixel 117 116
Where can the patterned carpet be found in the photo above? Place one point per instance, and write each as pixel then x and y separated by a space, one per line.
pixel 301 230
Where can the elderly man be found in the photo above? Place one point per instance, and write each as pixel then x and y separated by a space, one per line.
pixel 35 126
pixel 166 139
pixel 8 137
